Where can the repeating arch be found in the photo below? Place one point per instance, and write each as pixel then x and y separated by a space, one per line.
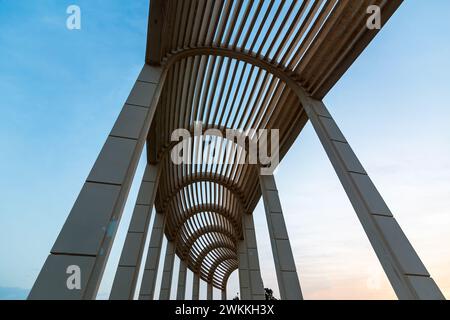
pixel 225 257
pixel 229 215
pixel 220 269
pixel 232 179
pixel 204 251
pixel 227 275
pixel 196 254
pixel 234 64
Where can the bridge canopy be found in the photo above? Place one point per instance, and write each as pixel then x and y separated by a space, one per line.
pixel 234 64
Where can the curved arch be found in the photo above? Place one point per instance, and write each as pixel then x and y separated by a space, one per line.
pixel 203 231
pixel 216 263
pixel 208 130
pixel 227 275
pixel 217 271
pixel 281 73
pixel 214 255
pixel 220 278
pixel 287 76
pixel 193 182
pixel 198 256
pixel 225 225
pixel 176 223
pixel 210 247
pixel 204 177
pixel 203 270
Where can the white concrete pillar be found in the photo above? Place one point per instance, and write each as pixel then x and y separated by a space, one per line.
pixel 404 269
pixel 166 282
pixel 196 287
pixel 244 281
pixel 287 277
pixel 147 291
pixel 254 273
pixel 181 289
pixel 209 292
pixel 86 238
pixel 124 284
pixel 224 294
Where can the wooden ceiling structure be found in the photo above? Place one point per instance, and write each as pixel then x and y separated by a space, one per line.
pixel 233 64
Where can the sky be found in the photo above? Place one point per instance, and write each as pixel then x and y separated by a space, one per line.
pixel 62 90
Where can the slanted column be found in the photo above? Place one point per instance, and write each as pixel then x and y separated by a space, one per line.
pixel 195 287
pixel 286 271
pixel 403 267
pixel 254 273
pixel 209 292
pixel 224 294
pixel 86 238
pixel 181 290
pixel 147 291
pixel 244 281
pixel 124 284
pixel 166 282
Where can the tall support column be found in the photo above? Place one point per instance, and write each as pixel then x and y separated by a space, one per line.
pixel 287 277
pixel 196 287
pixel 244 281
pixel 166 282
pixel 147 291
pixel 224 294
pixel 181 290
pixel 85 241
pixel 254 272
pixel 406 272
pixel 209 292
pixel 124 284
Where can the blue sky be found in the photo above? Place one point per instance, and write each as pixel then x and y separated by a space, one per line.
pixel 61 91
